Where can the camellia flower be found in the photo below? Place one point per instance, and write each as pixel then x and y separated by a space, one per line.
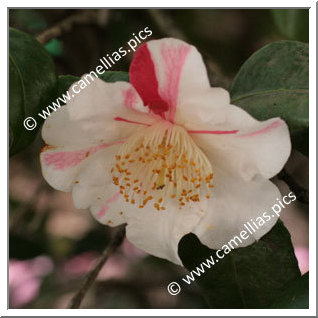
pixel 166 153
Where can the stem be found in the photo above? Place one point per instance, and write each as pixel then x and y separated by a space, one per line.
pixel 92 275
pixel 83 17
pixel 301 193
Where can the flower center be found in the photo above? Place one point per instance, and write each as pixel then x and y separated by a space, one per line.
pixel 162 162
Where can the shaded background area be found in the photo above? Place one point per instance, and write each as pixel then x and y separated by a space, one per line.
pixel 53 245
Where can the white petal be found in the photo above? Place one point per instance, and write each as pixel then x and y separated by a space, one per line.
pixel 199 107
pixel 62 165
pixel 109 207
pixel 183 79
pixel 94 189
pixel 58 130
pixel 100 98
pixel 243 145
pixel 92 180
pixel 170 76
pixel 88 176
pixel 100 113
pixel 189 70
pixel 233 203
pixel 159 232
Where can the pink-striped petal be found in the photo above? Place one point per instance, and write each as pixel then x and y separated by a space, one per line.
pixel 143 77
pixel 88 118
pixel 61 166
pixel 110 207
pixel 256 147
pixel 165 72
pixel 60 160
pixel 130 121
pixel 93 188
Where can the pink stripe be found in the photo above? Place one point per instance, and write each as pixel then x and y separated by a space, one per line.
pixel 142 76
pixel 174 59
pixel 130 98
pixel 105 207
pixel 270 127
pixel 130 121
pixel 213 132
pixel 66 159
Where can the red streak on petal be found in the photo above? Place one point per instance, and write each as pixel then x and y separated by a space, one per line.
pixel 130 98
pixel 174 59
pixel 130 121
pixel 67 159
pixel 267 129
pixel 105 207
pixel 213 132
pixel 143 77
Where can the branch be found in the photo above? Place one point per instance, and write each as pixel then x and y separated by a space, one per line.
pixel 83 17
pixel 301 193
pixel 92 275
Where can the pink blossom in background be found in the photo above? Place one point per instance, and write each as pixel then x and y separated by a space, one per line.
pixel 302 255
pixel 116 267
pixel 79 265
pixel 25 279
pixel 131 251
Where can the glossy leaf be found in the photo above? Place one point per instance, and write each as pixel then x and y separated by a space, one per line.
pixel 64 83
pixel 295 296
pixel 115 76
pixel 273 82
pixel 32 85
pixel 250 277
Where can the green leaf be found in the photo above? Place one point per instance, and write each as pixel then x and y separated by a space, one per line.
pixel 300 140
pixel 250 277
pixel 292 23
pixel 273 82
pixel 64 83
pixel 32 85
pixel 115 76
pixel 296 295
pixel 54 47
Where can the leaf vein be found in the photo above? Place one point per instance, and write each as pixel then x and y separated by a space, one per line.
pixel 268 92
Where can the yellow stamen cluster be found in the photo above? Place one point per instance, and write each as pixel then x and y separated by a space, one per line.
pixel 162 162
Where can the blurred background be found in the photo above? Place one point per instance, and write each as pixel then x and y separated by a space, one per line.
pixel 52 245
